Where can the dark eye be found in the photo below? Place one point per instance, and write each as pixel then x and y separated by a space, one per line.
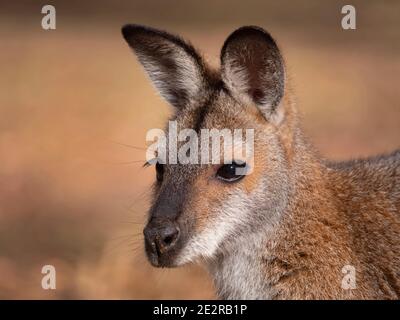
pixel 229 173
pixel 160 171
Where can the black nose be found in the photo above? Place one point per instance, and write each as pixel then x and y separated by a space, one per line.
pixel 160 237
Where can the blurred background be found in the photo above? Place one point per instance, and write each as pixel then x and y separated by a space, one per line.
pixel 75 107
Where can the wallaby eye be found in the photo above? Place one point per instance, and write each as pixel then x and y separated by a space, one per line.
pixel 229 173
pixel 160 171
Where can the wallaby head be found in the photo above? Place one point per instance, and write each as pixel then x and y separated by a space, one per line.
pixel 202 210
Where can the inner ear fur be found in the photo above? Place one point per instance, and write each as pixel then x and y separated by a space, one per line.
pixel 253 69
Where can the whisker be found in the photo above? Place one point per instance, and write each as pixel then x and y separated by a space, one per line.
pixel 125 162
pixel 126 236
pixel 140 196
pixel 132 222
pixel 123 243
pixel 128 145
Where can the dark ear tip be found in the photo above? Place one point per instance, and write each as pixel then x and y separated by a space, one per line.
pixel 129 30
pixel 250 30
pixel 247 32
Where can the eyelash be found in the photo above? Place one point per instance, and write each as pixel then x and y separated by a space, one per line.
pixel 226 173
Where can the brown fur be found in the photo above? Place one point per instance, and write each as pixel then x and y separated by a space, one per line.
pixel 341 214
pixel 296 220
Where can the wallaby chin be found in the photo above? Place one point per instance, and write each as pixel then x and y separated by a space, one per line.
pixel 278 222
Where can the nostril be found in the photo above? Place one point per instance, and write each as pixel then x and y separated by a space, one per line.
pixel 169 237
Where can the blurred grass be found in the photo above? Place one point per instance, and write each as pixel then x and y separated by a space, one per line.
pixel 67 95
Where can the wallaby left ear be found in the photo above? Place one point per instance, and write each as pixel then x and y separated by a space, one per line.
pixel 253 68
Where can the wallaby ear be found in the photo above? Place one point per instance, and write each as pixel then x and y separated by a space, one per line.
pixel 253 68
pixel 173 65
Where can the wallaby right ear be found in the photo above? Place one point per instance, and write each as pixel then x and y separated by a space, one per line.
pixel 253 68
pixel 173 65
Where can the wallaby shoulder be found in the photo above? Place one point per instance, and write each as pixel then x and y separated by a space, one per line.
pixel 369 178
pixel 346 214
pixel 367 195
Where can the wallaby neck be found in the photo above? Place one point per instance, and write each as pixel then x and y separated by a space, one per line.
pixel 264 264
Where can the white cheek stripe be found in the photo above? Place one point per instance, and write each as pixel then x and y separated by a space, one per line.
pixel 233 213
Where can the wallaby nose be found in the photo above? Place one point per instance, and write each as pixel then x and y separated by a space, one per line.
pixel 168 237
pixel 160 237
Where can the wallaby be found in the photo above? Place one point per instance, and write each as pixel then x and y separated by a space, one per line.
pixel 293 227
